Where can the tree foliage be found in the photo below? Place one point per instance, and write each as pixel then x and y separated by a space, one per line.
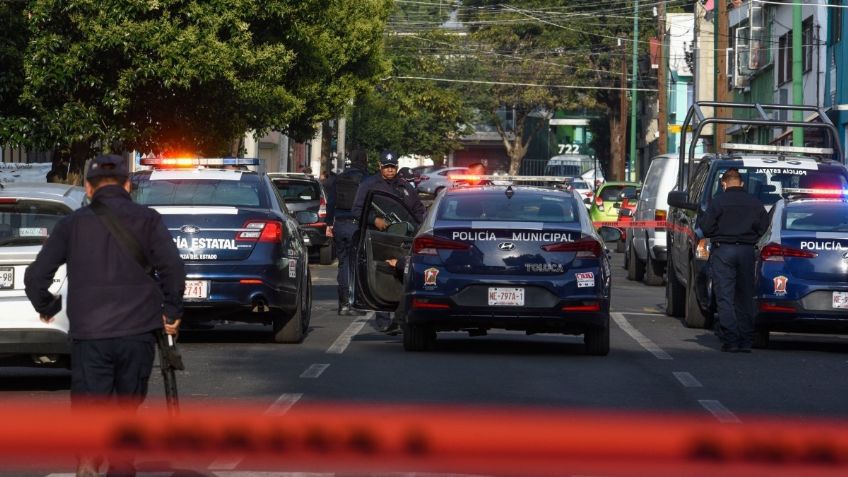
pixel 157 75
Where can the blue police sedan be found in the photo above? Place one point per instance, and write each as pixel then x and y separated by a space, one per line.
pixel 245 259
pixel 492 257
pixel 802 270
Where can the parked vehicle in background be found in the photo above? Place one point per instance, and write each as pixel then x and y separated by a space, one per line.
pixel 626 209
pixel 583 188
pixel 417 172
pixel 302 192
pixel 435 181
pixel 28 213
pixel 646 246
pixel 608 198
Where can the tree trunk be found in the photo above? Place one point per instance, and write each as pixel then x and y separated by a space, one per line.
pixel 617 147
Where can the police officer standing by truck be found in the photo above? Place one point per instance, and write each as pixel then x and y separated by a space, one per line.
pixel 733 222
pixel 341 192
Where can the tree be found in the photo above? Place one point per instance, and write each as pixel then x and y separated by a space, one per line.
pixel 174 75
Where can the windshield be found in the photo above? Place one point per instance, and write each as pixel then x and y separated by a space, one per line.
pixel 563 170
pixel 613 193
pixel 29 222
pixel 236 193
pixel 767 184
pixel 499 207
pixel 817 217
pixel 298 191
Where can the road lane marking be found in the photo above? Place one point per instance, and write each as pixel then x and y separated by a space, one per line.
pixel 314 371
pixel 278 408
pixel 720 412
pixel 643 340
pixel 340 345
pixel 687 380
pixel 641 313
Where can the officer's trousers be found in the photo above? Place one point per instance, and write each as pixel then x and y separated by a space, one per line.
pixel 112 369
pixel 732 269
pixel 343 232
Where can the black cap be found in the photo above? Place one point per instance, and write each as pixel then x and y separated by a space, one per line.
pixel 388 158
pixel 108 165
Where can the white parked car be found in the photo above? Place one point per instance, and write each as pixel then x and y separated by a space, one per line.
pixel 28 213
pixel 434 181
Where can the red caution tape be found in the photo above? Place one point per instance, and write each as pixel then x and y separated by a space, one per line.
pixel 490 441
pixel 634 224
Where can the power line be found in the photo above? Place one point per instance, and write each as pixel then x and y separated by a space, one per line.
pixel 505 83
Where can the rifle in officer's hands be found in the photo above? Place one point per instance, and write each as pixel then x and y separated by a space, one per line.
pixel 170 360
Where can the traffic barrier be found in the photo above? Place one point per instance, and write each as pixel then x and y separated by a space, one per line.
pixel 479 440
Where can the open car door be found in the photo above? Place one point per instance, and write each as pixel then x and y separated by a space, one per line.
pixel 377 285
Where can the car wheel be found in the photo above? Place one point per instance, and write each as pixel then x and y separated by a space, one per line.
pixel 674 292
pixel 418 337
pixel 653 272
pixel 761 339
pixel 325 254
pixel 292 329
pixel 597 342
pixel 436 192
pixel 637 269
pixel 694 318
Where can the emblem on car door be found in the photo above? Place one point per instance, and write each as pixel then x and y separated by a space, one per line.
pixel 506 246
pixel 845 256
pixel 189 229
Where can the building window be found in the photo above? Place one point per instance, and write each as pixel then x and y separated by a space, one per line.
pixel 784 58
pixel 835 15
pixel 807 40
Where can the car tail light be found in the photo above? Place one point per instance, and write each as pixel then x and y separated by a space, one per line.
pixel 774 307
pixel 423 304
pixel 430 245
pixel 586 306
pixel 775 252
pixel 423 178
pixel 660 215
pixel 586 247
pixel 262 231
pixel 8 200
pixel 589 194
pixel 322 208
pixel 599 203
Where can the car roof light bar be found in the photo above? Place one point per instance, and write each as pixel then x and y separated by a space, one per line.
pixel 506 178
pixel 200 162
pixel 819 192
pixel 776 149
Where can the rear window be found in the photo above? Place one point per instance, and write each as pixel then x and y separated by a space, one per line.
pixel 767 184
pixel 29 222
pixel 498 207
pixel 298 191
pixel 613 193
pixel 816 217
pixel 579 185
pixel 234 193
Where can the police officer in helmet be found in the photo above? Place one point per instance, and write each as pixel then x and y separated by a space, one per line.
pixel 733 222
pixel 341 192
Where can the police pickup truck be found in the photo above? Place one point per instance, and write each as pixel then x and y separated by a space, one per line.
pixel 768 172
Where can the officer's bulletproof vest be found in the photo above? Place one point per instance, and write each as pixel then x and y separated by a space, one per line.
pixel 346 185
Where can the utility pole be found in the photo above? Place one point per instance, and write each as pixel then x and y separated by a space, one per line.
pixel 797 72
pixel 720 35
pixel 633 175
pixel 621 153
pixel 662 73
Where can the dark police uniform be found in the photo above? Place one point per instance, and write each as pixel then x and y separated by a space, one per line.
pixel 342 219
pixel 114 307
pixel 733 222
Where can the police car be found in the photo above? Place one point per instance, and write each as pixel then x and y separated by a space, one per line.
pixel 489 257
pixel 245 259
pixel 28 213
pixel 802 267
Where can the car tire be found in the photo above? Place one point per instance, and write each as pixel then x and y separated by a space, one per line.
pixel 292 329
pixel 653 272
pixel 418 337
pixel 597 341
pixel 674 292
pixel 637 269
pixel 761 339
pixel 325 254
pixel 436 192
pixel 695 318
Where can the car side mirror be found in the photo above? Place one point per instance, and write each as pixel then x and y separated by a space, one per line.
pixel 680 200
pixel 306 217
pixel 609 234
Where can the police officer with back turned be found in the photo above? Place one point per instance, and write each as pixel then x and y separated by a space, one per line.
pixel 733 222
pixel 341 191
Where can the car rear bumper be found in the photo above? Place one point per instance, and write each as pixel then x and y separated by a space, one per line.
pixel 34 341
pixel 811 314
pixel 239 290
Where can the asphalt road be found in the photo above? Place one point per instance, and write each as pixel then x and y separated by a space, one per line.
pixel 656 365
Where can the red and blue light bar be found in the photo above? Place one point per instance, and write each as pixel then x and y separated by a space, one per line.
pixel 175 162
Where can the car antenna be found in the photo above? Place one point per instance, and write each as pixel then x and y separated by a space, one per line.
pixel 509 192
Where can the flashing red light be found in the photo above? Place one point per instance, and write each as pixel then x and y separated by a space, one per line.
pixel 775 252
pixel 772 307
pixel 262 231
pixel 430 245
pixel 428 305
pixel 590 307
pixel 586 247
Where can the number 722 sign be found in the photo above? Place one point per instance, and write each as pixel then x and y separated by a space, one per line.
pixel 569 148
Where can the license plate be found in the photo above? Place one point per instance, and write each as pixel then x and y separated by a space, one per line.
pixel 196 289
pixel 840 299
pixel 506 297
pixel 7 277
